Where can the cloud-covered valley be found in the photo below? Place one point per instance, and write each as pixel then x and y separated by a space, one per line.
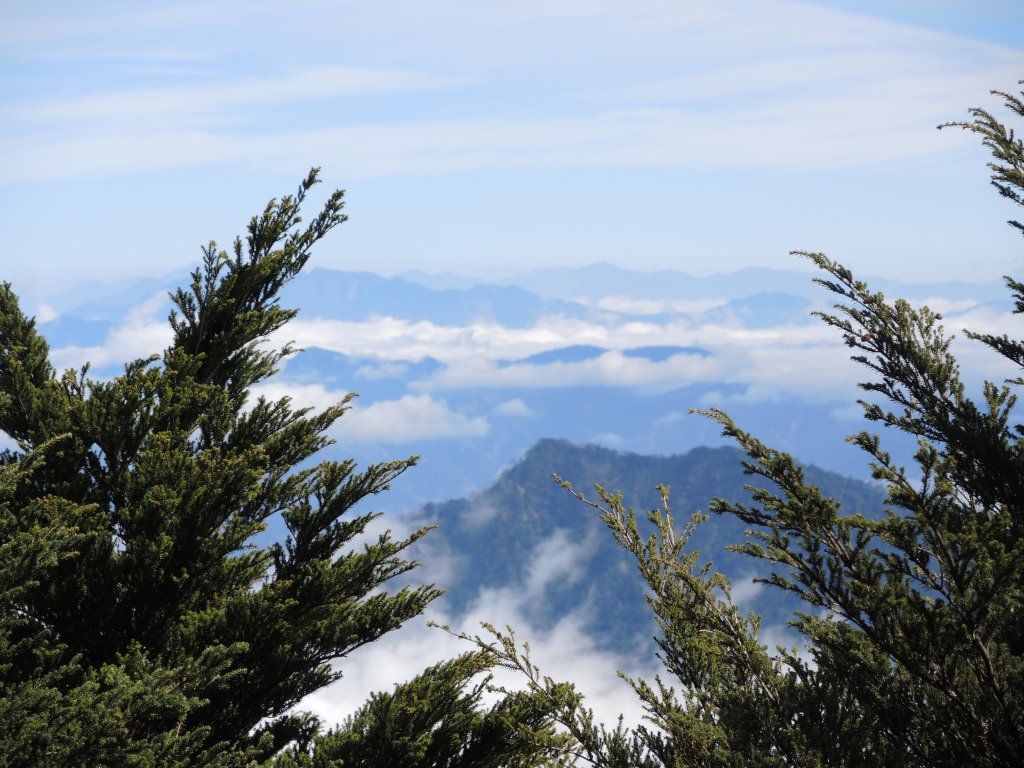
pixel 439 364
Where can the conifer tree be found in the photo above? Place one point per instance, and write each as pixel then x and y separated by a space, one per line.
pixel 140 622
pixel 913 615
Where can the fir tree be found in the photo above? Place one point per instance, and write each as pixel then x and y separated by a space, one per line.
pixel 912 625
pixel 141 624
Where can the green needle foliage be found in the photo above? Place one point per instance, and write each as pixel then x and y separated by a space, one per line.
pixel 436 720
pixel 141 625
pixel 912 623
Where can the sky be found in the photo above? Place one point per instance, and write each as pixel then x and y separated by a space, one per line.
pixel 487 138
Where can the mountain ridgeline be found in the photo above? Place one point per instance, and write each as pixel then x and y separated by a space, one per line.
pixel 528 533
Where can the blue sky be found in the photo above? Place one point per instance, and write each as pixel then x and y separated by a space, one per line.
pixel 485 138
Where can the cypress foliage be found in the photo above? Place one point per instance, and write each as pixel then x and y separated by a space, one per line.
pixel 436 720
pixel 140 623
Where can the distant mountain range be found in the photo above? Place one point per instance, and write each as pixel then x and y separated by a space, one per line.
pixel 470 375
pixel 495 537
pixel 595 281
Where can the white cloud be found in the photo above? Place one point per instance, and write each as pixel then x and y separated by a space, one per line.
pixel 514 407
pixel 945 306
pixel 654 137
pixel 770 364
pixel 773 362
pixel 478 514
pixel 744 591
pixel 628 305
pixel 390 339
pixel 195 106
pixel 610 369
pixel 382 371
pixel 776 635
pixel 852 412
pixel 806 360
pixel 558 558
pixel 670 418
pixel 144 332
pixel 315 396
pixel 45 313
pixel 567 651
pixel 7 443
pixel 408 419
pixel 609 439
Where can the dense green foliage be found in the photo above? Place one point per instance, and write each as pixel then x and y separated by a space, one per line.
pixel 913 641
pixel 141 624
pixel 436 720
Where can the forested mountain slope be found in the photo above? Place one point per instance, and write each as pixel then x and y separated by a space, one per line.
pixel 495 538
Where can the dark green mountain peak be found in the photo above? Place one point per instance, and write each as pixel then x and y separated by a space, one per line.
pixel 493 539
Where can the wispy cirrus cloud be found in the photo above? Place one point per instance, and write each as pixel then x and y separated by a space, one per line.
pixel 690 84
pixel 206 105
pixel 835 136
